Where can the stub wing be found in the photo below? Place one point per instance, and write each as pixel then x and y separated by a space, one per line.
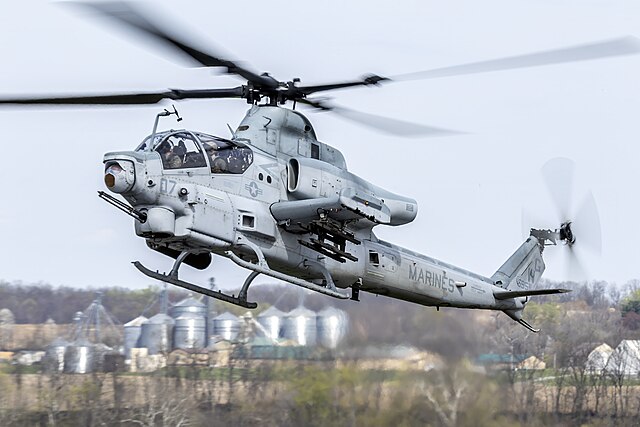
pixel 501 295
pixel 308 210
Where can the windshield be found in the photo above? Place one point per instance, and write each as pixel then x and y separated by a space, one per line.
pixel 225 156
pixel 156 139
pixel 180 150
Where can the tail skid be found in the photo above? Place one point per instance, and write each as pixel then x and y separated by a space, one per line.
pixel 528 326
pixel 516 314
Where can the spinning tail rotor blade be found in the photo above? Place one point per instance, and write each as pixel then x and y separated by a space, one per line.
pixel 581 224
pixel 602 49
pixel 575 269
pixel 558 176
pixel 586 225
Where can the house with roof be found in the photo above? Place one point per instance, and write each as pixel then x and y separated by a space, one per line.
pixel 625 359
pixel 598 358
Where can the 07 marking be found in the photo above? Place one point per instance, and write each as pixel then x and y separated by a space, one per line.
pixel 167 186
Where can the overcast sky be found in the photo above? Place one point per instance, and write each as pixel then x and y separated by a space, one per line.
pixel 470 188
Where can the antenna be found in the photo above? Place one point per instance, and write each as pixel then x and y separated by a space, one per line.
pixel 163 113
pixel 178 118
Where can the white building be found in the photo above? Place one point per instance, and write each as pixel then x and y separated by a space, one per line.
pixel 625 359
pixel 598 358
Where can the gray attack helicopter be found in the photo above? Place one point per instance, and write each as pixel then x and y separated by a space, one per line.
pixel 279 202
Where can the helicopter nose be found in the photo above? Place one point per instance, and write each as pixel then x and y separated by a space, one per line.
pixel 119 176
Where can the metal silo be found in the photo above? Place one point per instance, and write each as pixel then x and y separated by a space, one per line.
pixel 189 331
pixel 188 305
pixel 132 331
pixel 226 326
pixel 54 355
pixel 300 326
pixel 156 334
pixel 272 321
pixel 331 326
pixel 78 358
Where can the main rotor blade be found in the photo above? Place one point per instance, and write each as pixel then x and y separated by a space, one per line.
pixel 602 49
pixel 128 98
pixel 124 13
pixel 384 124
pixel 369 80
pixel 558 175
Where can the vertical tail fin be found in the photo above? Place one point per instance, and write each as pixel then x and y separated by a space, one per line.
pixel 523 269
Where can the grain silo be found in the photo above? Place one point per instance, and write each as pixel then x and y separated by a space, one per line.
pixel 54 355
pixel 156 334
pixel 188 305
pixel 332 326
pixel 132 331
pixel 190 331
pixel 272 321
pixel 227 326
pixel 300 326
pixel 79 357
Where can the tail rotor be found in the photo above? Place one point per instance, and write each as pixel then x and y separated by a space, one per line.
pixel 579 225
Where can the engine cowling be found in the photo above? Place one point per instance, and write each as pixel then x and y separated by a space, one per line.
pixel 311 179
pixel 305 179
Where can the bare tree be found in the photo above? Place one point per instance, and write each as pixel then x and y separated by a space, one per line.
pixel 445 390
pixel 8 415
pixel 164 407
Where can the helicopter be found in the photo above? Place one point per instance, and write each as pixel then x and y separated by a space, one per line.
pixel 277 201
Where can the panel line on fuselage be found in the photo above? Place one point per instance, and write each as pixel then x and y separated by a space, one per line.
pixel 436 262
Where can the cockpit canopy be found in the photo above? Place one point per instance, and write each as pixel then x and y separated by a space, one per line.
pixel 184 149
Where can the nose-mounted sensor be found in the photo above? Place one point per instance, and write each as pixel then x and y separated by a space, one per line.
pixel 117 178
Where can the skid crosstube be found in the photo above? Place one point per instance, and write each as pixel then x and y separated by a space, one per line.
pixel 239 300
pixel 329 289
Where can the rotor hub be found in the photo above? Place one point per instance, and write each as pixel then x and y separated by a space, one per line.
pixel 566 234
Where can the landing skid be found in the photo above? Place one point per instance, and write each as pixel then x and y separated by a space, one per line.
pixel 240 300
pixel 172 278
pixel 256 269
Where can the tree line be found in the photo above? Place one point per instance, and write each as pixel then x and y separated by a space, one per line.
pixel 374 320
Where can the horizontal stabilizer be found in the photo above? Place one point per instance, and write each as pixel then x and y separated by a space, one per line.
pixel 516 294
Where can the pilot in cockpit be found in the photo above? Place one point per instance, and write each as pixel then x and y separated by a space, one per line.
pixel 171 158
pixel 218 163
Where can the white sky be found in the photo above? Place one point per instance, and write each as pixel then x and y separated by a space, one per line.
pixel 470 188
